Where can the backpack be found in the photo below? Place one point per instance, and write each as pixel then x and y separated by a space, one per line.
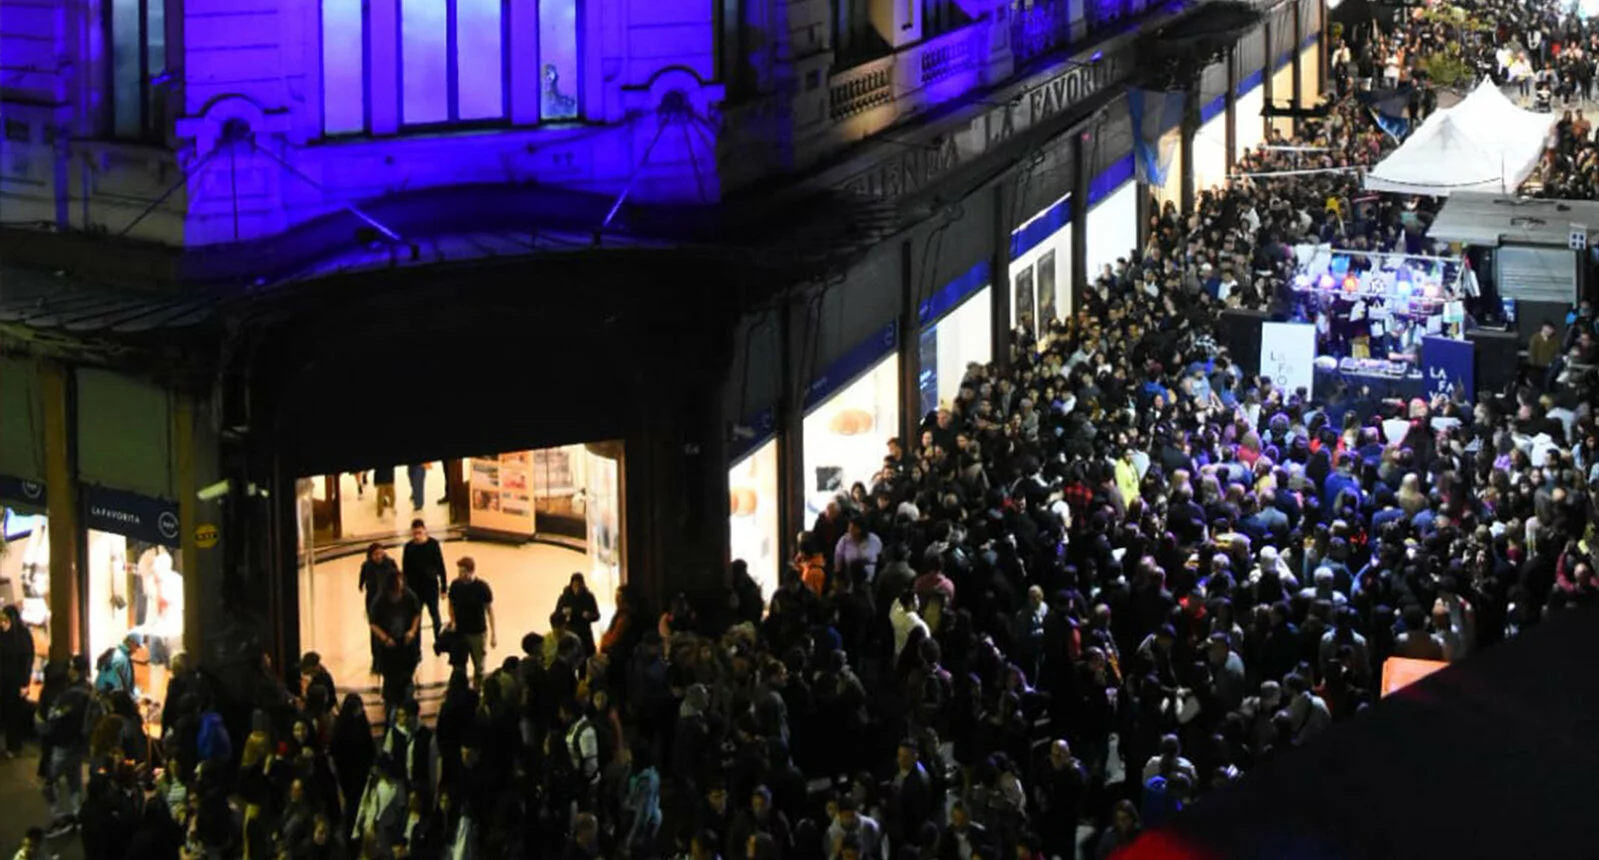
pixel 212 741
pixel 109 676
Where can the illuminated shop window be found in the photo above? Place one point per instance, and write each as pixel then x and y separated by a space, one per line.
pixel 452 62
pixel 344 59
pixel 558 84
pixel 138 66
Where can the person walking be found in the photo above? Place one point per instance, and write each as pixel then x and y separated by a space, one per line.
pixel 16 673
pixel 376 572
pixel 396 620
pixel 66 730
pixel 472 615
pixel 423 563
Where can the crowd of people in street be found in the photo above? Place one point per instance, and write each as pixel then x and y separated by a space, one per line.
pixel 1116 573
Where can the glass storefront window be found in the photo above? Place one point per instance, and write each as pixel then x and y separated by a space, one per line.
pixel 529 519
pixel 135 587
pixel 1282 89
pixel 1112 229
pixel 845 436
pixel 1210 155
pixel 963 337
pixel 754 526
pixel 604 512
pixel 25 574
pixel 1250 130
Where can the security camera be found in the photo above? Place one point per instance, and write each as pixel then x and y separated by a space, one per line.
pixel 215 491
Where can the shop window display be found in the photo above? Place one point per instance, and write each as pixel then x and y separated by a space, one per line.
pixel 963 337
pixel 1042 263
pixel 135 596
pixel 25 573
pixel 846 435
pixel 754 527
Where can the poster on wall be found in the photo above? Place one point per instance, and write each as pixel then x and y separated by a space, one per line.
pixel 1047 312
pixel 1288 355
pixel 1024 299
pixel 502 493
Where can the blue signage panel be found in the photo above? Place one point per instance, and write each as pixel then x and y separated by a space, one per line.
pixel 1284 60
pixel 953 293
pixel 1249 83
pixel 23 494
pixel 1044 225
pixel 1217 107
pixel 132 515
pixel 1449 368
pixel 851 365
pixel 751 433
pixel 1112 178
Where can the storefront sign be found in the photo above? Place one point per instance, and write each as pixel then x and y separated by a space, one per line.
pixel 132 515
pixel 207 536
pixel 851 365
pixel 916 166
pixel 22 494
pixel 911 170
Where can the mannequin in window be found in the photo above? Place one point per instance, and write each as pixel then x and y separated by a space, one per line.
pixel 164 625
pixel 557 105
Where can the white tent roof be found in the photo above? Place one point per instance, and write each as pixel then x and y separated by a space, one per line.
pixel 1493 118
pixel 1454 152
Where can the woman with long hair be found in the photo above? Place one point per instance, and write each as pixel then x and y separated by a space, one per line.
pixel 353 752
pixel 581 611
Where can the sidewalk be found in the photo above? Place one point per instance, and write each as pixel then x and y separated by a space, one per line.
pixel 24 807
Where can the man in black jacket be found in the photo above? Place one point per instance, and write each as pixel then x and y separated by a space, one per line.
pixel 423 564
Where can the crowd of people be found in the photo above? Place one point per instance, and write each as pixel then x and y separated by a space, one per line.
pixel 1116 573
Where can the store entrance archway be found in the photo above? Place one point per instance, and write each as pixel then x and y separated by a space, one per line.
pixel 529 520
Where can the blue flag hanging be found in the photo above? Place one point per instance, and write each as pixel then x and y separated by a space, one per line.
pixel 1153 114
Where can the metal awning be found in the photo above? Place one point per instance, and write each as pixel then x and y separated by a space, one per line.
pixel 44 301
pixel 1478 218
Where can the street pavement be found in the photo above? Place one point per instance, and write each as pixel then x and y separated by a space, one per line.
pixel 22 806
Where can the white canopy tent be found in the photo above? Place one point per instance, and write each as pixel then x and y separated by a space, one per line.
pixel 1492 117
pixel 1485 143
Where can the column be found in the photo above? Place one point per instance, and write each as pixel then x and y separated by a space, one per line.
pixel 1232 109
pixel 188 489
pixel 1299 81
pixel 196 464
pixel 999 291
pixel 1083 174
pixel 1268 72
pixel 794 321
pixel 1190 129
pixel 60 475
pixel 910 337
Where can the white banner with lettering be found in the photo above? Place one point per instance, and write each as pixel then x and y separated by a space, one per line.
pixel 1288 356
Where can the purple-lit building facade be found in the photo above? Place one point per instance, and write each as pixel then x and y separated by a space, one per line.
pixel 230 225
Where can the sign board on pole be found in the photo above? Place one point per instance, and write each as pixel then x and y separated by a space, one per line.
pixel 1578 240
pixel 1449 367
pixel 1288 355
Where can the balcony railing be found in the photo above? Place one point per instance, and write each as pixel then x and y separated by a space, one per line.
pixel 945 56
pixel 862 88
pixel 1038 28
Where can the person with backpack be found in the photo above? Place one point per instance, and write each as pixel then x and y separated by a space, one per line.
pixel 114 668
pixel 66 731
